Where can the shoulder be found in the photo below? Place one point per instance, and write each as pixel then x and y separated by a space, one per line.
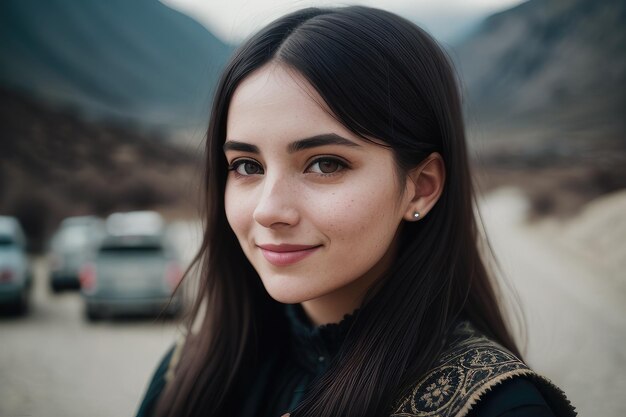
pixel 516 397
pixel 467 375
pixel 162 375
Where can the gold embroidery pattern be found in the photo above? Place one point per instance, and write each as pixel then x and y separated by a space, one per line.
pixel 468 368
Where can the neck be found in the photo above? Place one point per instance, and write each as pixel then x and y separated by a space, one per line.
pixel 332 307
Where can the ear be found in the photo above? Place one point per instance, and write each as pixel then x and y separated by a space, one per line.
pixel 424 185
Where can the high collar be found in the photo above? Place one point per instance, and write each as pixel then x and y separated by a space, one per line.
pixel 315 346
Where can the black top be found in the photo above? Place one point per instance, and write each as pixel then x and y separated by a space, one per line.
pixel 281 382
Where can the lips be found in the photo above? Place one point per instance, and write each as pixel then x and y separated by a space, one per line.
pixel 285 254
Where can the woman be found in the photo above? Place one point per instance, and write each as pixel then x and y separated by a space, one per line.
pixel 341 271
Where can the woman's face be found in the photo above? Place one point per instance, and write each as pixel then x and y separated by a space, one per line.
pixel 314 207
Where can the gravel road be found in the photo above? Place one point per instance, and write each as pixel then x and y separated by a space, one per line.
pixel 575 315
pixel 53 363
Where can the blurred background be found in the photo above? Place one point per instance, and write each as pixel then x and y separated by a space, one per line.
pixel 103 110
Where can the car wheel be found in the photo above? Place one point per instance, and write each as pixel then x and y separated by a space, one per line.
pixel 20 306
pixel 93 314
pixel 56 288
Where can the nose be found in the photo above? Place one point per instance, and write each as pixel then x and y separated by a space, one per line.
pixel 277 205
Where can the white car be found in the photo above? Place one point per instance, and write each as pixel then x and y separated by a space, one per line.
pixel 134 271
pixel 15 277
pixel 72 244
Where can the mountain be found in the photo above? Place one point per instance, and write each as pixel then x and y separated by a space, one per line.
pixel 552 71
pixel 136 62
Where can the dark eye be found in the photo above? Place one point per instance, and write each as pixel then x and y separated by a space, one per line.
pixel 246 167
pixel 326 166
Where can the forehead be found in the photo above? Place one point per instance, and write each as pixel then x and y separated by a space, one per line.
pixel 278 102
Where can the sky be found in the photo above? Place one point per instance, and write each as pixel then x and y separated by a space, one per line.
pixel 233 20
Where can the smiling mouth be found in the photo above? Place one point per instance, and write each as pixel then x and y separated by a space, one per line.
pixel 283 255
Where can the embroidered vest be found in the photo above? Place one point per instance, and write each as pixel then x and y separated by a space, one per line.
pixel 469 367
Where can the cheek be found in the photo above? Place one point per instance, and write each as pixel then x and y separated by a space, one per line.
pixel 357 210
pixel 238 210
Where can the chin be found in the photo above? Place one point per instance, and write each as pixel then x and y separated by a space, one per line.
pixel 287 297
pixel 286 293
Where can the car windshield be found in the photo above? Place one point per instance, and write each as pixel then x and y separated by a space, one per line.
pixel 131 249
pixel 6 240
pixel 73 237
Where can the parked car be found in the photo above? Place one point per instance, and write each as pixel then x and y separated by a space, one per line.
pixel 70 247
pixel 134 271
pixel 15 277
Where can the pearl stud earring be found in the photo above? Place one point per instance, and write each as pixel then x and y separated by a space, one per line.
pixel 416 215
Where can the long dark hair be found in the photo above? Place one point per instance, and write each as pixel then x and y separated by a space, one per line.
pixel 382 77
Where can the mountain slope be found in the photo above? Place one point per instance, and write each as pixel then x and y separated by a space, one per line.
pixel 558 65
pixel 136 62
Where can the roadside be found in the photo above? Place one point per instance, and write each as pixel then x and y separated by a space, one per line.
pixel 574 306
pixel 54 363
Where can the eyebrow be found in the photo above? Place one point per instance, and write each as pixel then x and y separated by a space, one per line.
pixel 299 145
